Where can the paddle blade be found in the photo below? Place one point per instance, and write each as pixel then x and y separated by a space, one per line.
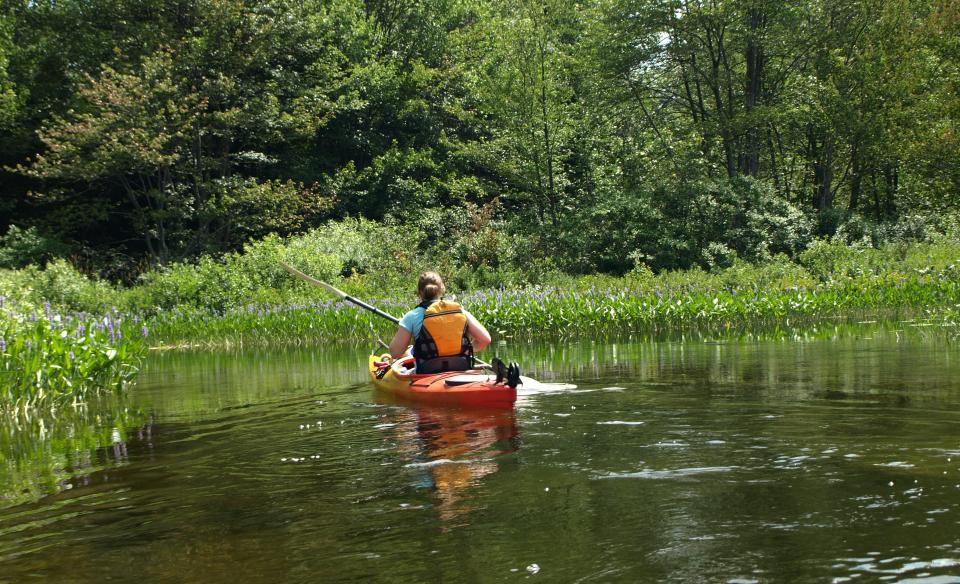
pixel 310 280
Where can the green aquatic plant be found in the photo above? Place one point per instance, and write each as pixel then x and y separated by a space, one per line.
pixel 712 303
pixel 49 359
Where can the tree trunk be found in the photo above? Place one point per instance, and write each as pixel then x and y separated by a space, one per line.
pixel 856 177
pixel 822 156
pixel 755 61
pixel 547 136
pixel 891 175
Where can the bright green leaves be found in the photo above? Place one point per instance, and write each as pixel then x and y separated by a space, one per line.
pixel 51 360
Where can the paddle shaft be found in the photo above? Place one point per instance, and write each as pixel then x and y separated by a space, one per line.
pixel 348 298
pixel 372 309
pixel 338 292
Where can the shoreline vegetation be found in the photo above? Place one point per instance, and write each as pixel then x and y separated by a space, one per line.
pixel 65 337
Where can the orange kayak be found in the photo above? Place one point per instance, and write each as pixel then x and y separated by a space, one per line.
pixel 473 388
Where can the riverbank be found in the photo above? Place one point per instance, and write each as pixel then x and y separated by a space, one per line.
pixel 56 353
pixel 610 310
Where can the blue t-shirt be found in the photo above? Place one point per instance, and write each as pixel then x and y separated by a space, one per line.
pixel 413 320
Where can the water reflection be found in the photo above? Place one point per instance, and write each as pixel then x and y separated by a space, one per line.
pixel 451 450
pixel 804 459
pixel 43 453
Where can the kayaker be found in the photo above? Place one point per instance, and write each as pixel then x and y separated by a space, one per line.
pixel 444 335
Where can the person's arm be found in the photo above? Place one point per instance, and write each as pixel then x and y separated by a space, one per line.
pixel 400 342
pixel 479 333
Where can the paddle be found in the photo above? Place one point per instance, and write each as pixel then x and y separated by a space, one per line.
pixel 310 280
pixel 338 292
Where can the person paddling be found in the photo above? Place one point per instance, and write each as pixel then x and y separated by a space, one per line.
pixel 443 334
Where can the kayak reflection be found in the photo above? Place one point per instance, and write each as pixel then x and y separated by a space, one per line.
pixel 452 450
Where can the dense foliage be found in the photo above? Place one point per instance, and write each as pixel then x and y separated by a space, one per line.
pixel 509 135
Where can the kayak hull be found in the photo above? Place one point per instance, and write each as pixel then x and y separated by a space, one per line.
pixel 470 388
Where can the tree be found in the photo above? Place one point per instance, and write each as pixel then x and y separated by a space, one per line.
pixel 135 134
pixel 525 57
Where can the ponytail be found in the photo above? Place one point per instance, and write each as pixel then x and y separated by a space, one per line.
pixel 430 285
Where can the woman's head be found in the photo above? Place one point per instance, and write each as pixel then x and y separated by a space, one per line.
pixel 430 285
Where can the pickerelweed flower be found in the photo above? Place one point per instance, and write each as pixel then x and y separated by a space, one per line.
pixel 3 345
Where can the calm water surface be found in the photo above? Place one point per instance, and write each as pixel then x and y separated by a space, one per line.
pixel 818 459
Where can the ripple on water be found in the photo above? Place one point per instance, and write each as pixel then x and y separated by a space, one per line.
pixel 668 473
pixel 668 445
pixel 887 569
pixel 437 462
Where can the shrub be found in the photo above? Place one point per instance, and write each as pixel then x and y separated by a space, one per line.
pixel 349 248
pixel 829 259
pixel 59 283
pixel 777 274
pixel 21 247
pixel 707 223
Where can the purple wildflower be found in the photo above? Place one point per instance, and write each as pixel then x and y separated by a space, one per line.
pixel 144 331
pixel 72 356
pixel 3 345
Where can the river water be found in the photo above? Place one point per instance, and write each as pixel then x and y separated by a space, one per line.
pixel 828 457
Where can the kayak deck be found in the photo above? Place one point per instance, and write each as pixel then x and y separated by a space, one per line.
pixel 452 387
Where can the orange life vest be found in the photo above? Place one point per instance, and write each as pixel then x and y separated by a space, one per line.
pixel 443 344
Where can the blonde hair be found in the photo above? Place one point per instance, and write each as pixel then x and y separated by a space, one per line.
pixel 430 285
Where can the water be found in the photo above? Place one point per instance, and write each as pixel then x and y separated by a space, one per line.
pixel 828 458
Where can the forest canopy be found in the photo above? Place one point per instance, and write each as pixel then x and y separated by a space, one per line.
pixel 591 137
